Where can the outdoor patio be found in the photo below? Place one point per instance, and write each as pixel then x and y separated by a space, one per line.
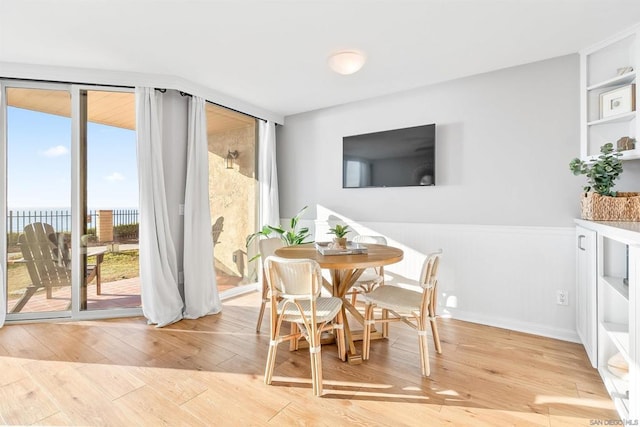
pixel 117 294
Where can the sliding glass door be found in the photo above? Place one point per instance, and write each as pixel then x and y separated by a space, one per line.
pixel 71 196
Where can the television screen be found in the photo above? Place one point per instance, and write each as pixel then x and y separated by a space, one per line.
pixel 392 158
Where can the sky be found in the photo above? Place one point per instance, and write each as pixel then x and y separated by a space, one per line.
pixel 39 163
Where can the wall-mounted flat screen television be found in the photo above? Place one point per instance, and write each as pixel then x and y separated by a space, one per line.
pixel 392 158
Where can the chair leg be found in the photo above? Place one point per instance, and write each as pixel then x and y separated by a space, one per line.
pixel 366 339
pixel 385 325
pixel 28 293
pixel 265 291
pixel 293 343
pixel 434 332
pixel 432 320
pixel 274 331
pixel 271 362
pixel 316 360
pixel 424 349
pixel 342 350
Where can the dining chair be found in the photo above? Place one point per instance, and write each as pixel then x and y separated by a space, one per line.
pixel 295 286
pixel 414 308
pixel 267 248
pixel 371 277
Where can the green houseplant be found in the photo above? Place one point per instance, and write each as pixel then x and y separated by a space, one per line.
pixel 340 231
pixel 292 236
pixel 601 173
pixel 599 201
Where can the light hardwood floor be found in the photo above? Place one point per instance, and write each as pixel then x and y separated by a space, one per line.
pixel 210 372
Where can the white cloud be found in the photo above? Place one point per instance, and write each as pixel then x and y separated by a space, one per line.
pixel 115 176
pixel 56 151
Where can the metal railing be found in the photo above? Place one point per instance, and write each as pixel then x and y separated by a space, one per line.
pixel 60 220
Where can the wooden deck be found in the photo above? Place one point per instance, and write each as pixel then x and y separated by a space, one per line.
pixel 209 371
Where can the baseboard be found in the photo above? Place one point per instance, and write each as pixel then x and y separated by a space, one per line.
pixel 514 325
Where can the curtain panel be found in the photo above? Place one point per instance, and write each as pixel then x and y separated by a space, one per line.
pixel 200 289
pixel 268 174
pixel 161 301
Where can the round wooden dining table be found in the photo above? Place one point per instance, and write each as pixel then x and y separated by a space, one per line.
pixel 345 270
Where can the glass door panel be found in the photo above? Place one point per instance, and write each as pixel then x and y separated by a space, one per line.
pixel 233 189
pixel 38 179
pixel 110 202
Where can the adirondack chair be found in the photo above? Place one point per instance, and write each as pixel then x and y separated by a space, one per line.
pixel 47 258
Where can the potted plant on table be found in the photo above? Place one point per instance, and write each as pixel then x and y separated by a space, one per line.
pixel 340 231
pixel 600 202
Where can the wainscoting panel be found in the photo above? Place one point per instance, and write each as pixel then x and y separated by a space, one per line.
pixel 503 276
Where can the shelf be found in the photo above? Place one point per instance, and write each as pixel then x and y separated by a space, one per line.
pixel 618 390
pixel 626 155
pixel 617 285
pixel 616 81
pixel 620 118
pixel 619 335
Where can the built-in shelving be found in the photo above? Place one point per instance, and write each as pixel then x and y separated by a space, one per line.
pixel 618 285
pixel 599 69
pixel 622 80
pixel 618 390
pixel 620 118
pixel 619 335
pixel 615 311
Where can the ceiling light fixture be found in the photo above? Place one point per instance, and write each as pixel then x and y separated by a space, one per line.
pixel 346 61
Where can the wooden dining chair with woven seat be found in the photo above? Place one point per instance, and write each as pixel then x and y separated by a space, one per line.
pixel 267 248
pixel 295 286
pixel 414 308
pixel 371 277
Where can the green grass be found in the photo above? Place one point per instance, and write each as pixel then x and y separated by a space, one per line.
pixel 115 266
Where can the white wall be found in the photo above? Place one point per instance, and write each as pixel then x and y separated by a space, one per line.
pixel 505 200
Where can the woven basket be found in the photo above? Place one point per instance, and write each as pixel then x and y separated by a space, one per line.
pixel 622 207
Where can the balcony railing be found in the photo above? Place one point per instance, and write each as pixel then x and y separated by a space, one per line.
pixel 125 222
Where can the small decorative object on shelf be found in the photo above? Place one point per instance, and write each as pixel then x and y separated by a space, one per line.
pixel 340 231
pixel 626 143
pixel 618 101
pixel 600 202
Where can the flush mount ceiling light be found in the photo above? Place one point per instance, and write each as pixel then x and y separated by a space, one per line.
pixel 346 61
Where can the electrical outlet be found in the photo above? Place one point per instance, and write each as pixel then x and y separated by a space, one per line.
pixel 235 257
pixel 562 297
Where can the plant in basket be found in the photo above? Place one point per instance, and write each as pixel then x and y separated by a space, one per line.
pixel 599 201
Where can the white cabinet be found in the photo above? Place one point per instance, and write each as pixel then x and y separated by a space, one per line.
pixel 602 70
pixel 586 291
pixel 617 277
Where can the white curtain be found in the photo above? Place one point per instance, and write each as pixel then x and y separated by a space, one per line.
pixel 200 290
pixel 161 301
pixel 267 174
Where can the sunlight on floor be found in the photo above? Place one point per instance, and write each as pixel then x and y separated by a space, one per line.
pixel 565 400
